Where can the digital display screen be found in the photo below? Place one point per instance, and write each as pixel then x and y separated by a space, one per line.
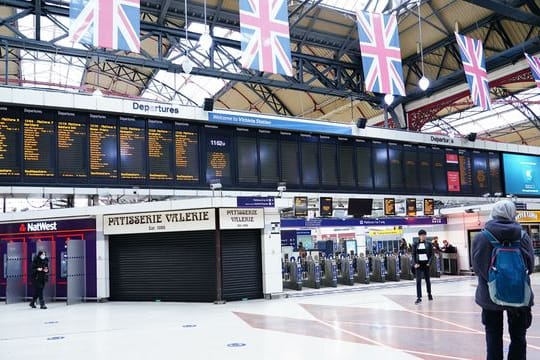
pixel 411 206
pixel 328 164
pixel 310 157
pixel 346 164
pixel 218 158
pixel 132 149
pixel 465 171
pixel 38 144
pixel 495 172
pixel 438 159
pixel 452 171
pixel 289 162
pixel 160 151
pixel 103 147
pixel 363 165
pixel 10 144
pixel 268 158
pixel 410 160
pixel 521 174
pixel 395 160
pixel 300 206
pixel 389 207
pixel 186 145
pixel 72 145
pixel 325 206
pixel 429 207
pixel 425 179
pixel 480 173
pixel 247 159
pixel 380 165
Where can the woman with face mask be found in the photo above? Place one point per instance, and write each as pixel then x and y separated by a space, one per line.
pixel 40 275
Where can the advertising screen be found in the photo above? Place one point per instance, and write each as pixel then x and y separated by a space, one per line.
pixel 521 174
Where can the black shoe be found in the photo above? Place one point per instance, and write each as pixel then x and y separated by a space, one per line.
pixel 43 307
pixel 430 297
pixel 418 301
pixel 32 305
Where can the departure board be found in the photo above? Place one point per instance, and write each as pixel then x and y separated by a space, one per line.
pixel 310 163
pixel 439 172
pixel 10 144
pixel 452 171
pixel 289 160
pixel 410 162
pixel 425 175
pixel 268 159
pixel 328 162
pixel 380 165
pixel 495 173
pixel 38 144
pixel 132 149
pixel 247 159
pixel 160 151
pixel 480 173
pixel 103 147
pixel 465 171
pixel 218 158
pixel 187 154
pixel 346 163
pixel 395 160
pixel 72 144
pixel 363 165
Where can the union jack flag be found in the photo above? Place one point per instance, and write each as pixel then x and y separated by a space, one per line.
pixel 266 46
pixel 474 65
pixel 534 63
pixel 112 24
pixel 381 55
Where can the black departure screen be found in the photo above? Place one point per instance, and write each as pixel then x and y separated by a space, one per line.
pixel 160 151
pixel 103 147
pixel 465 171
pixel 346 163
pixel 439 172
pixel 363 165
pixel 289 162
pixel 380 165
pixel 480 173
pixel 310 161
pixel 247 159
pixel 132 149
pixel 328 163
pixel 268 158
pixel 395 159
pixel 218 158
pixel 425 175
pixel 187 155
pixel 72 144
pixel 410 162
pixel 10 144
pixel 495 172
pixel 38 144
pixel 452 171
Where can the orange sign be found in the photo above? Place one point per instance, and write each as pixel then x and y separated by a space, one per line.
pixel 528 216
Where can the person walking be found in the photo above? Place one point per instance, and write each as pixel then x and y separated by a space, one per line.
pixel 39 276
pixel 503 227
pixel 422 252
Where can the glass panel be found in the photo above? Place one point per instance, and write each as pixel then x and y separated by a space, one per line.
pixel 15 284
pixel 76 283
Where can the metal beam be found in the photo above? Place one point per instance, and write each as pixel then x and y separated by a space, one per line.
pixel 164 10
pixel 507 11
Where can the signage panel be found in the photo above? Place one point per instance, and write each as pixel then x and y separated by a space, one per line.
pixel 233 218
pixel 255 201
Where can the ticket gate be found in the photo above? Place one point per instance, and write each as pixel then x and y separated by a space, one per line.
pixel 76 271
pixel 346 271
pixel 392 266
pixel 312 274
pixel 378 273
pixel 16 273
pixel 362 270
pixel 435 266
pixel 329 275
pixel 292 277
pixel 406 270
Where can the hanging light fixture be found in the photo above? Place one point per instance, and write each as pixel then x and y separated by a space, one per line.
pixel 205 41
pixel 388 99
pixel 185 62
pixel 423 83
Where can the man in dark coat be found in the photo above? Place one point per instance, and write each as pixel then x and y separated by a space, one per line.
pixel 503 226
pixel 422 252
pixel 39 276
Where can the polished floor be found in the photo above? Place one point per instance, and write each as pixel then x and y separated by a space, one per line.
pixel 379 322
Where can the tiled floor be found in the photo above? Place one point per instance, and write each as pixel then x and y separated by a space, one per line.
pixel 379 323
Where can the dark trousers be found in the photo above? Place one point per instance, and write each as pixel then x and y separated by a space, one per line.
pixel 519 320
pixel 422 270
pixel 38 294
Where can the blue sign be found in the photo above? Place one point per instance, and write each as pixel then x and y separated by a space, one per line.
pixel 255 201
pixel 236 345
pixel 55 338
pixel 277 123
pixel 410 221
pixel 522 174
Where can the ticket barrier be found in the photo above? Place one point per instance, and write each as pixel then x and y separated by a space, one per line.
pixel 378 272
pixel 329 275
pixel 292 276
pixel 393 268
pixel 312 274
pixel 346 273
pixel 362 270
pixel 406 270
pixel 435 266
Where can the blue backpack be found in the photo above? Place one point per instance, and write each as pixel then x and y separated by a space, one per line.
pixel 508 281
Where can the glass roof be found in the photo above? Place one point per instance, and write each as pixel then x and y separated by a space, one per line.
pixel 353 5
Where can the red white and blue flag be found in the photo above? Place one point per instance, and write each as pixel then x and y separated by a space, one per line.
pixel 112 24
pixel 381 55
pixel 266 45
pixel 474 65
pixel 534 64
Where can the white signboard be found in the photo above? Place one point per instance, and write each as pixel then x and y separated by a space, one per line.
pixel 241 218
pixel 163 221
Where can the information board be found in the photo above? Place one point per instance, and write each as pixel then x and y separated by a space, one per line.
pixel 247 159
pixel 103 147
pixel 218 158
pixel 10 144
pixel 187 155
pixel 160 151
pixel 465 171
pixel 410 162
pixel 72 145
pixel 268 159
pixel 480 173
pixel 289 162
pixel 38 144
pixel 380 165
pixel 495 174
pixel 425 174
pixel 328 162
pixel 395 160
pixel 132 149
pixel 346 163
pixel 310 160
pixel 364 171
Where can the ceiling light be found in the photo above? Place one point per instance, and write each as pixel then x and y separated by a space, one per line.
pixel 388 99
pixel 187 65
pixel 205 41
pixel 423 83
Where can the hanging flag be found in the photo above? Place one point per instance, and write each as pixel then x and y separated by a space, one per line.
pixel 112 24
pixel 381 55
pixel 474 65
pixel 264 26
pixel 534 63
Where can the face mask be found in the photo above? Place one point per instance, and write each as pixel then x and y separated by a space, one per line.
pixel 42 256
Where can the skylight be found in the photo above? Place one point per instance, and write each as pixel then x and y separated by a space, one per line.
pixel 353 5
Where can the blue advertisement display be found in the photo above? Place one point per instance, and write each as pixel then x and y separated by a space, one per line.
pixel 521 174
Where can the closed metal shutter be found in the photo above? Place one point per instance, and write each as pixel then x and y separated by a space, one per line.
pixel 241 264
pixel 176 266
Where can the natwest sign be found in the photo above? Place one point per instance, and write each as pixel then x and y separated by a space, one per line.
pixel 38 226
